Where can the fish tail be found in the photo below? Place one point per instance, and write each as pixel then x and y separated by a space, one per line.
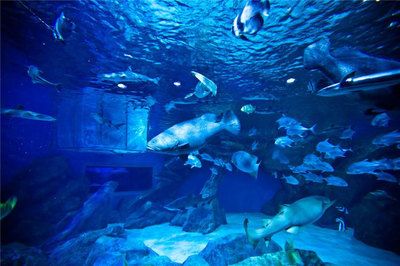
pixel 156 80
pixel 231 122
pixel 312 129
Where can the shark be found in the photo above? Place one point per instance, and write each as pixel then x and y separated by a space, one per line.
pixel 290 217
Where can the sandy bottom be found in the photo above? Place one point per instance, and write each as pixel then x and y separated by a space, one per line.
pixel 339 248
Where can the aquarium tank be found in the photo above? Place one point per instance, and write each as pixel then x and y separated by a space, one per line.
pixel 187 132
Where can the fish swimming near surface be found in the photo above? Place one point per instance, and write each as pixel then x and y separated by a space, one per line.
pixel 381 120
pixel 7 207
pixel 250 20
pixel 284 141
pixel 290 217
pixel 246 162
pixel 104 121
pixel 193 161
pixel 347 133
pixel 21 113
pixel 35 74
pixel 204 87
pixel 389 139
pixel 127 76
pixel 351 84
pixel 191 135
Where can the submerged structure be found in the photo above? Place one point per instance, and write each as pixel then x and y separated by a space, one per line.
pixel 170 132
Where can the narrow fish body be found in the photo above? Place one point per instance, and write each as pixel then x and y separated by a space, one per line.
pixel 27 115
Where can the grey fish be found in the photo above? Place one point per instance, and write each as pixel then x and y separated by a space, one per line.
pixel 331 151
pixel 127 76
pixel 191 135
pixel 20 113
pixel 246 162
pixel 381 120
pixel 291 180
pixel 284 141
pixel 369 167
pixel 287 122
pixel 308 176
pixel 335 181
pixel 388 139
pixel 351 84
pixel 204 87
pixel 314 163
pixel 383 176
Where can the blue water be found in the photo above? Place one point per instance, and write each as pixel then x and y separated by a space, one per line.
pixel 168 40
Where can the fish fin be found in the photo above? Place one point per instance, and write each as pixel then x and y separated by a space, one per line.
pixel 293 230
pixel 344 81
pixel 312 129
pixel 156 80
pixel 231 122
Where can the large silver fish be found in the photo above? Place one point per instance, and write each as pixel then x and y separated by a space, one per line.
pixel 188 136
pixel 20 113
pixel 351 84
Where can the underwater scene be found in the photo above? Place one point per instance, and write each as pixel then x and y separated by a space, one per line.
pixel 187 132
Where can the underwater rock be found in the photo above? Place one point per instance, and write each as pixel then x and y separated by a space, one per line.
pixel 149 214
pixel 204 218
pixel 210 188
pixel 195 260
pixel 80 246
pixel 230 249
pixel 376 222
pixel 46 192
pixel 308 258
pixel 19 254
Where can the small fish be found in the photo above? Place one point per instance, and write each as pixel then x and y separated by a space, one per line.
pixel 347 133
pixel 290 80
pixel 335 181
pixel 253 132
pixel 246 162
pixel 128 55
pixel 299 130
pixel 381 194
pixel 308 176
pixel 369 167
pixel 389 139
pixel 248 109
pixel 269 97
pixel 383 176
pixel 193 161
pixel 331 151
pixel 177 83
pixel 287 122
pixel 284 141
pixel 254 145
pixel 342 209
pixel 7 207
pixel 381 120
pixel 314 163
pixel 291 180
pixel 121 86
